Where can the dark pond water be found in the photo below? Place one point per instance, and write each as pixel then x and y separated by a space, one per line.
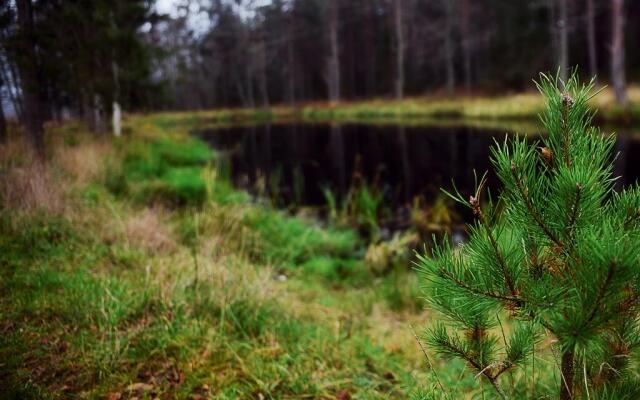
pixel 298 160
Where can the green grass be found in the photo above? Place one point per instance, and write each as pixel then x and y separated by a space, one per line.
pixel 162 171
pixel 137 290
pixel 160 279
pixel 362 208
pixel 516 112
pixel 99 326
pixel 290 241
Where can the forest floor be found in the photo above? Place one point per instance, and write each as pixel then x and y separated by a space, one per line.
pixel 519 111
pixel 131 268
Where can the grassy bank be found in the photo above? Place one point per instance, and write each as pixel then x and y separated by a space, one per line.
pixel 515 110
pixel 130 269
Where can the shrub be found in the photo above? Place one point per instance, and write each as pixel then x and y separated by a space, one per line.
pixel 562 261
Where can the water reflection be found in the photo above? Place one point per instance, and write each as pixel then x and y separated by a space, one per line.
pixel 298 160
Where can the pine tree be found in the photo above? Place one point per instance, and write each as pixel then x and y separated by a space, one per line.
pixel 556 258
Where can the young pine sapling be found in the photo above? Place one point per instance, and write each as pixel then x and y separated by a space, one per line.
pixel 558 255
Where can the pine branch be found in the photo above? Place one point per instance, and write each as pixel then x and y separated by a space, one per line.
pixel 632 216
pixel 498 388
pixel 567 103
pixel 474 202
pixel 426 355
pixel 506 365
pixel 601 293
pixel 516 301
pixel 476 291
pixel 530 207
pixel 503 265
pixel 573 216
pixel 485 371
pixel 627 305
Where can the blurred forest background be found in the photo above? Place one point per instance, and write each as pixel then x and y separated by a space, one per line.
pixel 61 58
pixel 249 229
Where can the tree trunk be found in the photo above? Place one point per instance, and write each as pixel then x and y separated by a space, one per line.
pixel 116 111
pixel 3 125
pixel 290 93
pixel 98 115
pixel 333 64
pixel 8 75
pixel 566 378
pixel 3 120
pixel 563 55
pixel 88 111
pixel 250 98
pixel 448 48
pixel 617 51
pixel 591 39
pixel 116 119
pixel 370 47
pixel 400 47
pixel 466 44
pixel 262 77
pixel 553 29
pixel 30 78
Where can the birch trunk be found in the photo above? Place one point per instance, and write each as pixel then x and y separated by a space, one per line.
pixel 116 120
pixel 333 64
pixel 618 78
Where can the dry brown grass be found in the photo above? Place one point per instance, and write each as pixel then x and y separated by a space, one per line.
pixel 225 232
pixel 26 183
pixel 83 162
pixel 224 279
pixel 147 229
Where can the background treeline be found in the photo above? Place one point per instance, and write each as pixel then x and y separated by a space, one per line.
pixel 253 54
pixel 81 57
pixel 87 58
